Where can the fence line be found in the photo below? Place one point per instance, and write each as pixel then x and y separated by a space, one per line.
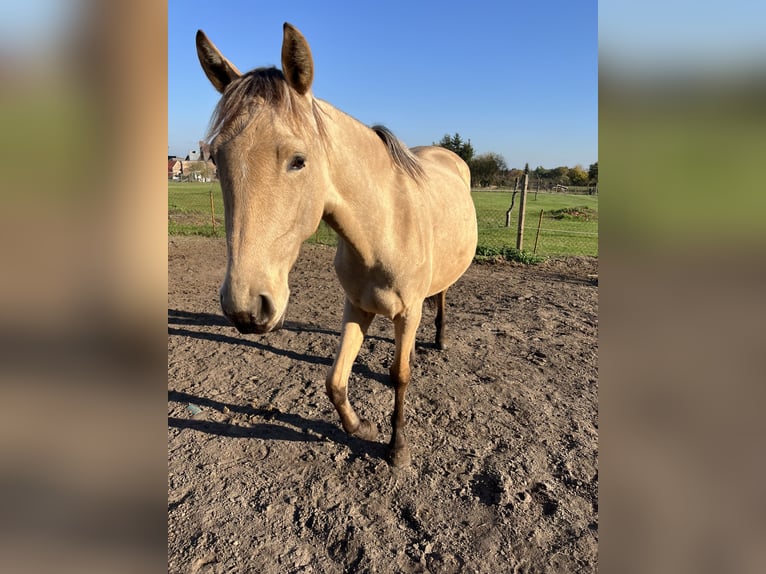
pixel 191 211
pixel 569 232
pixel 549 235
pixel 555 238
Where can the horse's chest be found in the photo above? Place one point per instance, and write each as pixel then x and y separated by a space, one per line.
pixel 383 285
pixel 372 293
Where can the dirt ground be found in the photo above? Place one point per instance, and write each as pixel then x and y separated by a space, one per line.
pixel 503 428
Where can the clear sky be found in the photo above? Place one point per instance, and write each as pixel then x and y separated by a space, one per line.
pixel 683 36
pixel 516 78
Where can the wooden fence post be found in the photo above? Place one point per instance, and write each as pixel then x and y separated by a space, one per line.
pixel 522 210
pixel 537 236
pixel 212 210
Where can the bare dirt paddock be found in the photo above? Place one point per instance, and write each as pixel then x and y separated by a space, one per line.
pixel 503 428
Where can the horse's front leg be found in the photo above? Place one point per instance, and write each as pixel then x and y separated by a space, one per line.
pixel 405 328
pixel 355 324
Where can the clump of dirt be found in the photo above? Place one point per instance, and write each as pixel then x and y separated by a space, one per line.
pixel 503 428
pixel 581 213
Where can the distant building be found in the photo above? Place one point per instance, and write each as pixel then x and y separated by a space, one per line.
pixel 175 168
pixel 197 166
pixel 198 170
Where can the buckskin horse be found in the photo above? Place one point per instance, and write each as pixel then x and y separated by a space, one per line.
pixel 405 219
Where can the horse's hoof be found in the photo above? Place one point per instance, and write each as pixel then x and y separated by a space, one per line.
pixel 400 457
pixel 366 430
pixel 442 345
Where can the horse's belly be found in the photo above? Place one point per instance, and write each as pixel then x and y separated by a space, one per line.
pixel 454 247
pixel 450 271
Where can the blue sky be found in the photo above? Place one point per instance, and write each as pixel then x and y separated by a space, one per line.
pixel 683 36
pixel 516 78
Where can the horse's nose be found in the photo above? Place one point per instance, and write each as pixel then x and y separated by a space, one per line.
pixel 258 317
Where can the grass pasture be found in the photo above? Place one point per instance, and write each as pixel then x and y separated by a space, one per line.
pixel 569 225
pixel 189 210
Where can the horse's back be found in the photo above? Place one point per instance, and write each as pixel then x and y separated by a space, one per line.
pixel 448 160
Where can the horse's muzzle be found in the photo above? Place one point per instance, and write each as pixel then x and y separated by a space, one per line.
pixel 259 319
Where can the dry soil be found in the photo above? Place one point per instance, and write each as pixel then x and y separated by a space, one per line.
pixel 503 428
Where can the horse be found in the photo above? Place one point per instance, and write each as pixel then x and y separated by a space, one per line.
pixel 405 220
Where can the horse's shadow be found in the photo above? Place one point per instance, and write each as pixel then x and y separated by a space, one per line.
pixel 188 318
pixel 305 430
pixel 285 426
pixel 179 317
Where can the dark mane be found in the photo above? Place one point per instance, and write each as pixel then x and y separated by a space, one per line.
pixel 256 88
pixel 399 152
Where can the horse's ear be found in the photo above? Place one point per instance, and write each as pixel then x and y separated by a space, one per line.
pixel 297 63
pixel 218 69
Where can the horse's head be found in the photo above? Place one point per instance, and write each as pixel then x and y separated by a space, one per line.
pixel 267 143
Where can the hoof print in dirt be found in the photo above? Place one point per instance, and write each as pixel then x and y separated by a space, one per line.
pixel 488 488
pixel 542 497
pixel 537 357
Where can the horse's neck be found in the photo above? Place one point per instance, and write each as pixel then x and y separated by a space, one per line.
pixel 356 153
pixel 363 182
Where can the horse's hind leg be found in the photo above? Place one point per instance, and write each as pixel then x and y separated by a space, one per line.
pixel 405 327
pixel 355 324
pixel 440 300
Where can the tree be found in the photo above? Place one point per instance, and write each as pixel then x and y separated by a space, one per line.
pixel 455 143
pixel 541 174
pixel 514 172
pixel 560 175
pixel 487 168
pixel 578 176
pixel 593 173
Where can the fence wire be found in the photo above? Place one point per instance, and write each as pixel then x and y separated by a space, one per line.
pixel 556 237
pixel 556 234
pixel 553 235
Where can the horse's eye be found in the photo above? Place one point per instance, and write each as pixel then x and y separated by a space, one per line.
pixel 298 162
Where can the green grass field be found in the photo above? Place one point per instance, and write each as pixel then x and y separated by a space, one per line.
pixel 194 197
pixel 569 225
pixel 189 209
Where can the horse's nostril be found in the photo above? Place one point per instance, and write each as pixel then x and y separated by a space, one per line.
pixel 267 308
